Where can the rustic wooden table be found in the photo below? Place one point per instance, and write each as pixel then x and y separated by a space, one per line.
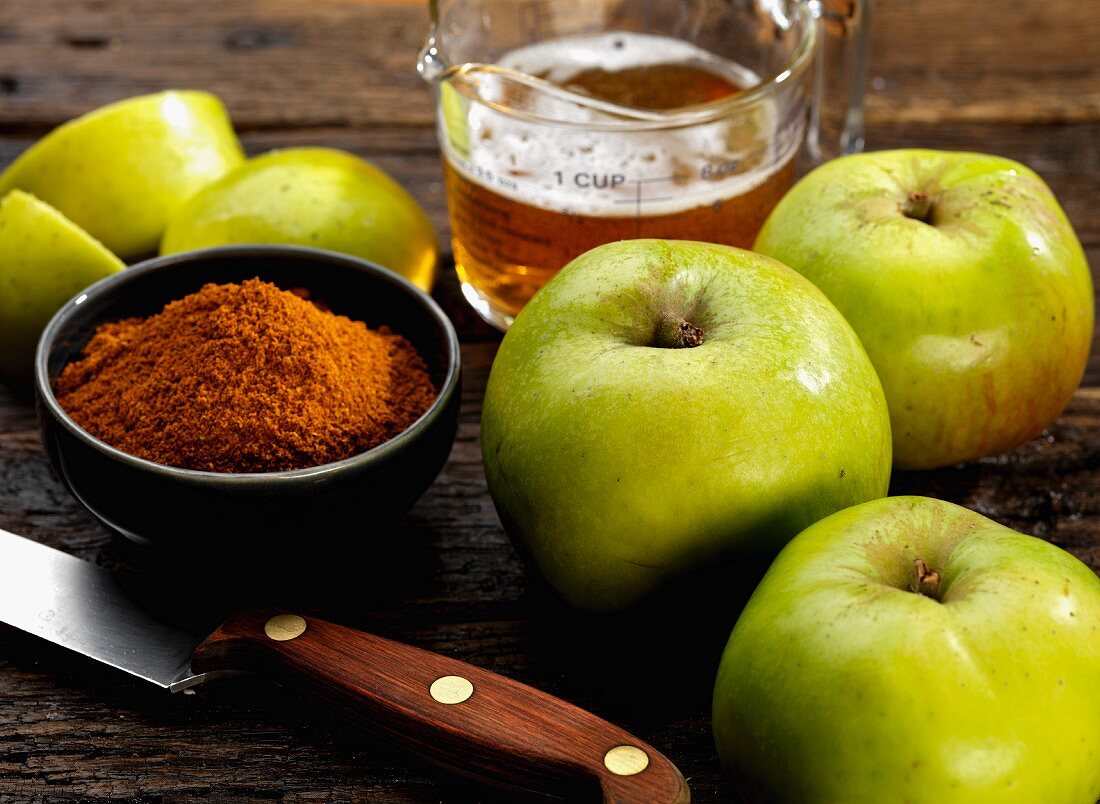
pixel 1013 77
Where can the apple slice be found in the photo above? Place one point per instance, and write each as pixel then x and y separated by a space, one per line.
pixel 45 259
pixel 317 197
pixel 123 170
pixel 910 650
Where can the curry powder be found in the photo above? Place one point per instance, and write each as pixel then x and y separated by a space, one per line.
pixel 245 378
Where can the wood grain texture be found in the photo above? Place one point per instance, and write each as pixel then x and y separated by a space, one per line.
pixel 501 732
pixel 1007 76
pixel 293 63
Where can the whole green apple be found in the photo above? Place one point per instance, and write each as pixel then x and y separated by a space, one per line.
pixel 965 282
pixel 318 197
pixel 121 171
pixel 45 260
pixel 661 406
pixel 910 650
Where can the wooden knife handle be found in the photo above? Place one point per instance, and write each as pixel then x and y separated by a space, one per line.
pixel 468 720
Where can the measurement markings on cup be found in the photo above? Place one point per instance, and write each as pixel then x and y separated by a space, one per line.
pixel 638 200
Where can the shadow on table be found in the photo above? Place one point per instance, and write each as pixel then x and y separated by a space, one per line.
pixel 652 664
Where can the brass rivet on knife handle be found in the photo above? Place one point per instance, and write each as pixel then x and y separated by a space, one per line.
pixel 451 689
pixel 626 760
pixel 283 627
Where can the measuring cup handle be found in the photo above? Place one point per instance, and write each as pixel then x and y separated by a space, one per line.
pixel 840 77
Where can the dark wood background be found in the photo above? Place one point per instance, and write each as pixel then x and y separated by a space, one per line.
pixel 1014 77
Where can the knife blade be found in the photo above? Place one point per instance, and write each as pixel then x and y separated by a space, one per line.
pixel 454 715
pixel 86 608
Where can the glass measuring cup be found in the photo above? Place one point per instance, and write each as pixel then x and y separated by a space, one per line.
pixel 565 124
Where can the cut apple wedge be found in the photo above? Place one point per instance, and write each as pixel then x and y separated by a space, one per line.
pixel 45 259
pixel 123 170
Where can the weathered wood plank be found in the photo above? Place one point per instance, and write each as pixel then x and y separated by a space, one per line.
pixel 275 62
pixel 281 63
pixel 1016 61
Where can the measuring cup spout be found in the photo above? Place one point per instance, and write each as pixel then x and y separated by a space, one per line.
pixel 429 63
pixel 514 92
pixel 517 93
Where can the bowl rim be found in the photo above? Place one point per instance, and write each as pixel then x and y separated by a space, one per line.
pixel 378 454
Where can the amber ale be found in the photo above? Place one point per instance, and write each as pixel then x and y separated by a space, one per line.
pixel 526 199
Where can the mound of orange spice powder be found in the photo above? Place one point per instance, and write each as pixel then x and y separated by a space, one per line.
pixel 245 378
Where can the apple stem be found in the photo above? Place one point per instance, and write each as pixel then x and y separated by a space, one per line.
pixel 676 333
pixel 918 206
pixel 927 579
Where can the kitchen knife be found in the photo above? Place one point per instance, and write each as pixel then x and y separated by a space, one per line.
pixel 452 714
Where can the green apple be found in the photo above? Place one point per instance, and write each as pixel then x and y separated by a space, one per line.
pixel 963 279
pixel 661 406
pixel 910 650
pixel 316 197
pixel 45 260
pixel 123 170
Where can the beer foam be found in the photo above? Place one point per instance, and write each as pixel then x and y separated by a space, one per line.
pixel 614 173
pixel 558 60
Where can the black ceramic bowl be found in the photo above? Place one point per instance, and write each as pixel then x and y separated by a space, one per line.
pixel 352 501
